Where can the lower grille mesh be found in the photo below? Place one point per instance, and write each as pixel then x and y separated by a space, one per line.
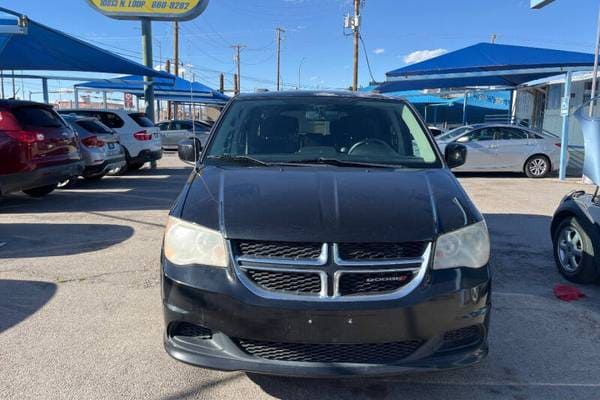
pixel 283 281
pixel 362 353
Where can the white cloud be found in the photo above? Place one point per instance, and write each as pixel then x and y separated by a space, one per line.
pixel 422 55
pixel 379 51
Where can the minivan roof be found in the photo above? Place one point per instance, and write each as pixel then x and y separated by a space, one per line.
pixel 316 93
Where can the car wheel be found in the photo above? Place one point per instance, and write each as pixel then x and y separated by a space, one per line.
pixel 67 183
pixel 134 166
pixel 40 191
pixel 575 250
pixel 94 177
pixel 537 167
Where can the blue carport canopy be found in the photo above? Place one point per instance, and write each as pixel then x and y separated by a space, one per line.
pixel 485 65
pixel 167 88
pixel 38 47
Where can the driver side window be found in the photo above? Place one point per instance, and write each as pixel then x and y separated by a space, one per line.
pixel 481 135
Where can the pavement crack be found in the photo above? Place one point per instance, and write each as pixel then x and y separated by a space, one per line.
pixel 86 278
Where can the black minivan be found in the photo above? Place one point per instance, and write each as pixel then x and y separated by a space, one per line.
pixel 323 234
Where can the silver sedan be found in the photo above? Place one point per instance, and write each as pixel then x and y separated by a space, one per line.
pixel 505 148
pixel 173 132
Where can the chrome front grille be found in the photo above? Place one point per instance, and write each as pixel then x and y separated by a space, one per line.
pixel 300 282
pixel 354 272
pixel 359 283
pixel 278 250
pixel 380 251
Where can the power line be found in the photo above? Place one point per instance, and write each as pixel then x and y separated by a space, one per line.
pixel 367 58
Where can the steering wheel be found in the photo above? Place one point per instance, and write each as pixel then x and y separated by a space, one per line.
pixel 367 142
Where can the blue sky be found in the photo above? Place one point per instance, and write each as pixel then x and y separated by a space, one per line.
pixel 395 31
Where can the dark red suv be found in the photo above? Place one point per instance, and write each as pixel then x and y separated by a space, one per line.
pixel 37 148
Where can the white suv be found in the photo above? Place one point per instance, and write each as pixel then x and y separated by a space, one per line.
pixel 137 133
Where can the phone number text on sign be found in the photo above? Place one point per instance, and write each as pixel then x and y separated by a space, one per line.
pixel 153 9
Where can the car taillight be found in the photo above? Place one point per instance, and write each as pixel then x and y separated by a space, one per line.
pixel 92 141
pixel 142 135
pixel 28 137
pixel 557 145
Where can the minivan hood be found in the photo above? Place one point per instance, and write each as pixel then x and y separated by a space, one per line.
pixel 327 204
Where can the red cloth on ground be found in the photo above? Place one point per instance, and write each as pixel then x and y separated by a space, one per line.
pixel 567 292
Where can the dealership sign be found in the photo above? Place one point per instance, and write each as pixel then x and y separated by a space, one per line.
pixel 162 10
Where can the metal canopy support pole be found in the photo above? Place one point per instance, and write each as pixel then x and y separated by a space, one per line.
pixel 76 95
pixel 147 56
pixel 465 108
pixel 564 141
pixel 44 90
pixel 104 100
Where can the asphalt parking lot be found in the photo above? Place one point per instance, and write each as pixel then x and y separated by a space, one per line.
pixel 80 309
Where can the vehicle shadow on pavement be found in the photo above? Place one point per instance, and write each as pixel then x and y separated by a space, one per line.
pixel 21 299
pixel 46 240
pixel 144 190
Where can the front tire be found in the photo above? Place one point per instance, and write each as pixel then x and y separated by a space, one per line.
pixel 67 183
pixel 134 166
pixel 575 250
pixel 537 166
pixel 40 191
pixel 95 177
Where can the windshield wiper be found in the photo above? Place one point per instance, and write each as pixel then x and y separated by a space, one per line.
pixel 239 158
pixel 342 163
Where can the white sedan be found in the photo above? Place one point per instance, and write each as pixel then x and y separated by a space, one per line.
pixel 505 148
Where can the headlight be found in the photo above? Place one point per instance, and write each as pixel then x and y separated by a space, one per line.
pixel 187 243
pixel 466 247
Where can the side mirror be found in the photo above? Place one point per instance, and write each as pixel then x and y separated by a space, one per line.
pixel 189 150
pixel 455 155
pixel 462 139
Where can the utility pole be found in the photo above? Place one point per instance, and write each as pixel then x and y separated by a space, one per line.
pixel 356 29
pixel 14 86
pixel 279 32
pixel 237 48
pixel 175 58
pixel 493 39
pixel 222 83
pixel 2 82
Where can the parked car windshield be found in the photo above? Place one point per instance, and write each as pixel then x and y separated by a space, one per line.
pixel 316 129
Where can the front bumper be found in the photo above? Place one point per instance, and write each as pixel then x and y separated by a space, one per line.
pixel 214 299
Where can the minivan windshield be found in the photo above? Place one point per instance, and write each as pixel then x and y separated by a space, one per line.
pixel 341 131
